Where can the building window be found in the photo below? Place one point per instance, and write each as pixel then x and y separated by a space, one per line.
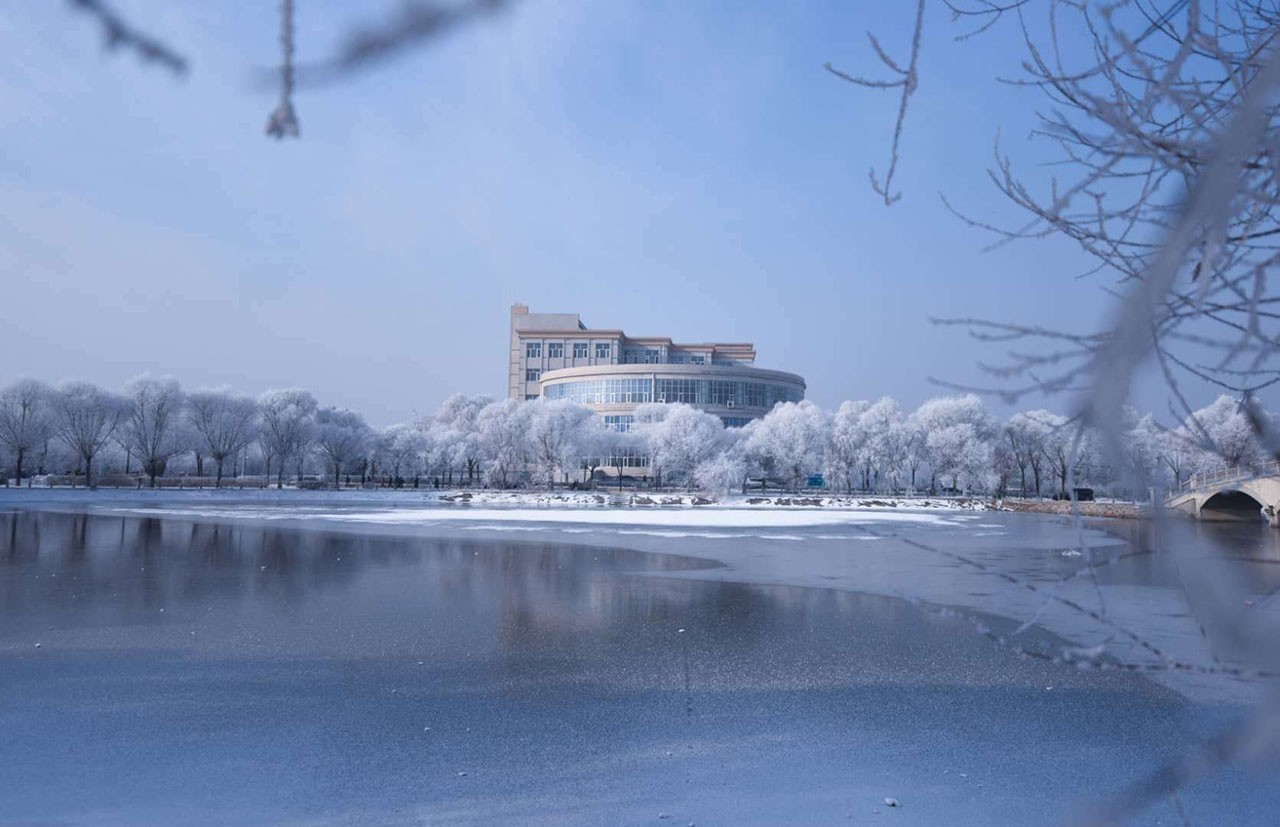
pixel 753 394
pixel 603 391
pixel 555 350
pixel 735 421
pixel 533 350
pixel 781 393
pixel 720 392
pixel 642 356
pixel 604 351
pixel 678 390
pixel 529 397
pixel 619 423
pixel 625 458
pixel 579 350
pixel 532 375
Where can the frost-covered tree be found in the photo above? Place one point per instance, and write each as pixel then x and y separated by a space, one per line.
pixel 401 450
pixel 915 451
pixel 729 469
pixel 945 411
pixel 959 452
pixel 942 413
pixel 1178 454
pixel 502 431
pixel 559 433
pixel 1016 451
pixel 722 474
pixel 26 420
pixel 1028 438
pixel 1142 441
pixel 152 430
pixel 1226 433
pixel 886 444
pixel 341 437
pixel 287 427
pixel 678 438
pixel 790 441
pixel 454 431
pixel 847 445
pixel 1062 446
pixel 615 447
pixel 85 419
pixel 224 423
pixel 1003 466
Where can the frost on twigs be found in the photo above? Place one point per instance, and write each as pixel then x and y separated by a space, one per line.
pixel 904 78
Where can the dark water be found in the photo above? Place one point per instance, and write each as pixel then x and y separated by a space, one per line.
pixel 229 674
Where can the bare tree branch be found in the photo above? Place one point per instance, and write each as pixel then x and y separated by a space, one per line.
pixel 908 80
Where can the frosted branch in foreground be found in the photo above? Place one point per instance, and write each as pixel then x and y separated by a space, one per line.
pixel 283 121
pixel 118 34
pixel 416 22
pixel 907 81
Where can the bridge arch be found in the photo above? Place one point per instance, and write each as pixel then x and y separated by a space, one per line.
pixel 1231 505
pixel 1245 492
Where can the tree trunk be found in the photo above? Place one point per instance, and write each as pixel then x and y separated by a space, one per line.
pixel 88 472
pixel 18 465
pixel 336 482
pixel 280 477
pixel 218 482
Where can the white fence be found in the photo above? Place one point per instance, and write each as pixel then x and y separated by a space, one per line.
pixel 1235 473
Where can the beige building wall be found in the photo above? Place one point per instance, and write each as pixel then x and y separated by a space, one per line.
pixel 542 342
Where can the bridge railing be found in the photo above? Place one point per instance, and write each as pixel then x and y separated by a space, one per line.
pixel 1233 474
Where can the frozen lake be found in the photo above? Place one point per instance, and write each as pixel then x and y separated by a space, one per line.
pixel 229 661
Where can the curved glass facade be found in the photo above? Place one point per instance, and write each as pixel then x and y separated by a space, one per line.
pixel 722 392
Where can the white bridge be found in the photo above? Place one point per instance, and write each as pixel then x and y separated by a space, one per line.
pixel 1243 492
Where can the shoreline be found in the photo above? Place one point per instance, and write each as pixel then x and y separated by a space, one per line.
pixel 1116 511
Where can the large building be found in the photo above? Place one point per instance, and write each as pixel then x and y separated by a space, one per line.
pixel 555 355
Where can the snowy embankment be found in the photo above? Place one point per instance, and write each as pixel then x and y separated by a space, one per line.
pixel 1116 510
pixel 756 501
pixel 423 508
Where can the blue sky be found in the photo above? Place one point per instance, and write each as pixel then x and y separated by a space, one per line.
pixel 670 168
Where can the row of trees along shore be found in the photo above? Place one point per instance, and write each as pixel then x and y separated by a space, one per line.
pixel 155 432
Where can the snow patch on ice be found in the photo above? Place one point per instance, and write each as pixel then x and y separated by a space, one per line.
pixel 705 517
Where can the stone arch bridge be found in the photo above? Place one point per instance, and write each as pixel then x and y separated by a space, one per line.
pixel 1243 492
